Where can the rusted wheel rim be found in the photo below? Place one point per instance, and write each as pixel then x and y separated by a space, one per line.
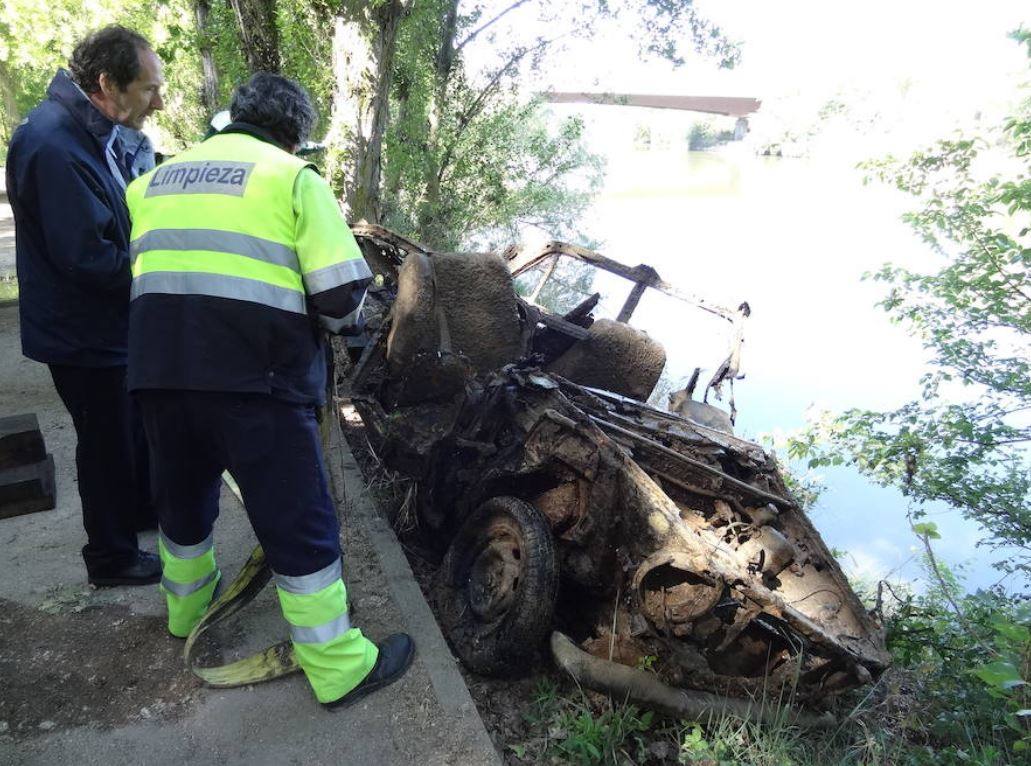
pixel 495 573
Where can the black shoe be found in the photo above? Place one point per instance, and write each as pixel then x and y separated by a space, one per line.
pixel 396 653
pixel 145 570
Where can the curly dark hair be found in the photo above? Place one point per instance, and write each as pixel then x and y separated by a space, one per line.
pixel 276 104
pixel 114 51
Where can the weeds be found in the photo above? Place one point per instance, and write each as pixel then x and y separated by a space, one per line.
pixel 568 725
pixel 729 741
pixel 583 729
pixel 571 726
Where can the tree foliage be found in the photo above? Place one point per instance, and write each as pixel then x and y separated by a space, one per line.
pixel 964 441
pixel 506 170
pixel 467 159
pixel 418 139
pixel 36 39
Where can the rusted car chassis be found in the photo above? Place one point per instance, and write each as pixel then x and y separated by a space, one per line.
pixel 648 538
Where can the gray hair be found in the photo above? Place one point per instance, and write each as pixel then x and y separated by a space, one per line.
pixel 276 104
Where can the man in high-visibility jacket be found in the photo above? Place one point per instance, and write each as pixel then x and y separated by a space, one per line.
pixel 239 254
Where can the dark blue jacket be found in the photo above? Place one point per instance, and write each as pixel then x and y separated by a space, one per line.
pixel 71 232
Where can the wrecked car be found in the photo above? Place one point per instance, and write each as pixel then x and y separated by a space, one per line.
pixel 560 500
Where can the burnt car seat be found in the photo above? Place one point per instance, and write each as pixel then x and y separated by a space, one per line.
pixel 616 357
pixel 455 314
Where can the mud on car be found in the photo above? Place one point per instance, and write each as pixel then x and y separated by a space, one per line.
pixel 559 500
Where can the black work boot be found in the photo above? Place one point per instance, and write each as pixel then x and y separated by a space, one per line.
pixel 396 653
pixel 145 570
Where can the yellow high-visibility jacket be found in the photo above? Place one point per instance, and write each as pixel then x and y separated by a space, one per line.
pixel 238 251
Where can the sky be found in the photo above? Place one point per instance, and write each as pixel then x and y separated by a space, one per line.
pixel 951 57
pixel 959 48
pixel 794 236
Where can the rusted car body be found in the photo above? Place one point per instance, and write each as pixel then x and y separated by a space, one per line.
pixel 649 538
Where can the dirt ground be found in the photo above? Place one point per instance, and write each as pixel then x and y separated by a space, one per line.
pixel 104 668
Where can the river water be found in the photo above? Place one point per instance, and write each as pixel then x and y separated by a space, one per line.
pixel 792 237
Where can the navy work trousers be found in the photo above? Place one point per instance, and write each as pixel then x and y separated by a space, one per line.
pixel 110 461
pixel 273 451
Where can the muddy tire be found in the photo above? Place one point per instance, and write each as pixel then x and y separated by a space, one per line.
pixel 499 581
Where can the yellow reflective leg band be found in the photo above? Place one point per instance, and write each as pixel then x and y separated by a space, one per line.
pixel 189 577
pixel 333 655
pixel 337 666
pixel 184 612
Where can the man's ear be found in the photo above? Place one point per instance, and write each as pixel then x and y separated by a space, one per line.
pixel 107 85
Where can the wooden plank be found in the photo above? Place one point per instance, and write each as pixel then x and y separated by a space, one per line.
pixel 21 442
pixel 28 488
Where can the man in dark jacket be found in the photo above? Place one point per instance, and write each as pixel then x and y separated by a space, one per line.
pixel 67 168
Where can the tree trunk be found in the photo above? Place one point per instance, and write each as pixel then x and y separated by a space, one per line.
pixel 392 185
pixel 256 21
pixel 209 87
pixel 364 42
pixel 443 64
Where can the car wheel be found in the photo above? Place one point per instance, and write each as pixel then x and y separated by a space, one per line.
pixel 500 581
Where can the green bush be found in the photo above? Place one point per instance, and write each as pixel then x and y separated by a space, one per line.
pixel 966 669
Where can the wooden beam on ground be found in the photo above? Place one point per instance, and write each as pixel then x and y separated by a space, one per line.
pixel 21 442
pixel 26 470
pixel 27 489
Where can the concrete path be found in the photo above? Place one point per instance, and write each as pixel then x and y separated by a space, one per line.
pixel 90 676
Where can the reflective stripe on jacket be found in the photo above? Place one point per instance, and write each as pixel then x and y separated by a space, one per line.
pixel 236 249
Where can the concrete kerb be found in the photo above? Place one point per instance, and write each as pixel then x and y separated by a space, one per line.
pixel 440 664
